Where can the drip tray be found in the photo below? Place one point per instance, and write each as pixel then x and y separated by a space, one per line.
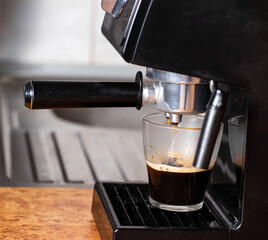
pixel 123 211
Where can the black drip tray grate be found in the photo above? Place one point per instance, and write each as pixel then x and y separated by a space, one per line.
pixel 127 208
pixel 132 208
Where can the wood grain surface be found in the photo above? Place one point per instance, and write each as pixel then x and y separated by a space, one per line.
pixel 46 213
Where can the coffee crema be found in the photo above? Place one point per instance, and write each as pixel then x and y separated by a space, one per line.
pixel 177 185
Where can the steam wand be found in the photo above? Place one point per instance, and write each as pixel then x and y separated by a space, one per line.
pixel 210 129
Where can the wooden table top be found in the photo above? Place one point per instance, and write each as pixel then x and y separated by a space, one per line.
pixel 46 213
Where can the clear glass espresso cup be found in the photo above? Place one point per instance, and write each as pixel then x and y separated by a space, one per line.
pixel 237 135
pixel 174 184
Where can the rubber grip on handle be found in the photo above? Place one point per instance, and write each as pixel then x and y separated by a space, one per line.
pixel 59 94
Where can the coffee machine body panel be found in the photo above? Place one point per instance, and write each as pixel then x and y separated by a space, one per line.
pixel 124 32
pixel 226 41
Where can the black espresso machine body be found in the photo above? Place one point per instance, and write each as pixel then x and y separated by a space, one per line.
pixel 184 44
pixel 226 41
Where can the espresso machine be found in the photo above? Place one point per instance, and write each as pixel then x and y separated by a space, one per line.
pixel 202 56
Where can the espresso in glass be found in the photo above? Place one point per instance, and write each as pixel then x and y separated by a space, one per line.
pixel 177 185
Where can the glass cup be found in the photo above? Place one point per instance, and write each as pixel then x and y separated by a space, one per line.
pixel 174 184
pixel 237 133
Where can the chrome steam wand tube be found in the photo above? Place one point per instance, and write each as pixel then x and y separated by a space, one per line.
pixel 210 129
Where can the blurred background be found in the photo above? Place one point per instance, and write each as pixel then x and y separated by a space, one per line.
pixel 62 40
pixel 58 32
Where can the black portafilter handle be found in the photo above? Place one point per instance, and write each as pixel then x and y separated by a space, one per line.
pixel 60 94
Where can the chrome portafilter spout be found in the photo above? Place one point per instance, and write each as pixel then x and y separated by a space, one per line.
pixel 177 94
